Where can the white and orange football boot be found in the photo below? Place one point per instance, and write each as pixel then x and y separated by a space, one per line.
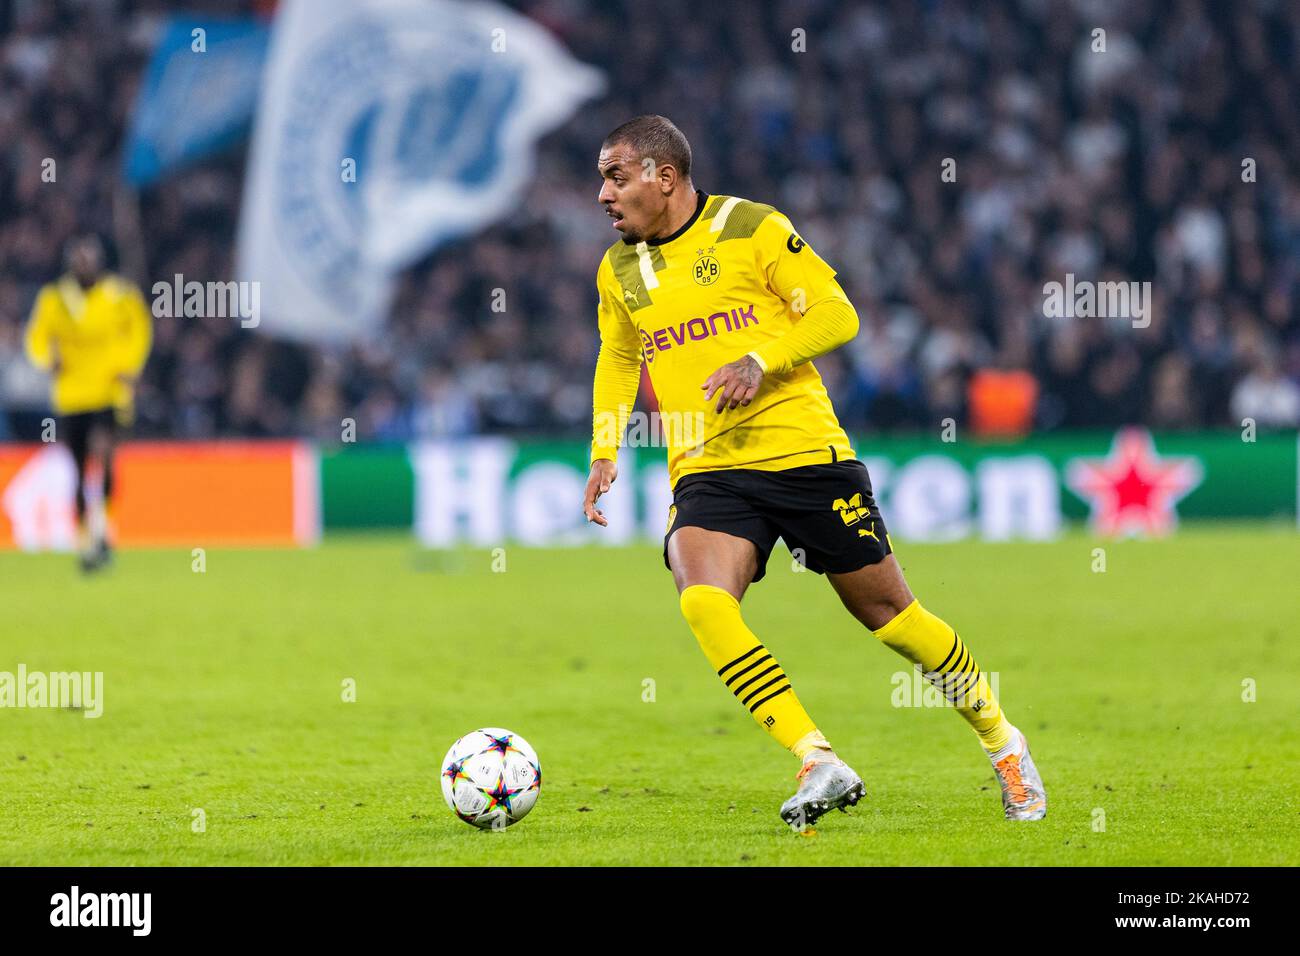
pixel 1023 795
pixel 825 783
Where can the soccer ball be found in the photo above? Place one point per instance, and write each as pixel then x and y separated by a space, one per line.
pixel 491 778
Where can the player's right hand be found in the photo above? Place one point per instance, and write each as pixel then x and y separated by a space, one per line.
pixel 603 473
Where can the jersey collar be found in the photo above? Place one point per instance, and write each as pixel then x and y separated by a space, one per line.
pixel 701 197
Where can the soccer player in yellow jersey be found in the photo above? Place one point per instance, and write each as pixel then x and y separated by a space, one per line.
pixel 727 305
pixel 91 330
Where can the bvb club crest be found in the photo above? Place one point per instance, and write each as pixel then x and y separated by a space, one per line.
pixel 706 269
pixel 852 512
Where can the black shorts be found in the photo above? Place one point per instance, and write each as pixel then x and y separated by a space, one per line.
pixel 74 430
pixel 825 513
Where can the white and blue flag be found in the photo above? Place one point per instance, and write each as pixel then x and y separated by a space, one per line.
pixel 197 96
pixel 385 128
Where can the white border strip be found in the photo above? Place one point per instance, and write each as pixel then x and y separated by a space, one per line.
pixel 307 519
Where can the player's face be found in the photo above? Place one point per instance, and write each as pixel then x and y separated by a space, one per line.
pixel 634 201
pixel 86 260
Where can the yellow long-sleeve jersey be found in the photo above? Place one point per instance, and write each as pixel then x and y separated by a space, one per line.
pixel 90 337
pixel 736 279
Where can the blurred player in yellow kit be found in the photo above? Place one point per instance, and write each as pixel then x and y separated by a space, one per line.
pixel 726 305
pixel 91 331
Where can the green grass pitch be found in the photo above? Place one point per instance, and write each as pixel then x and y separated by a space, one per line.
pixel 223 693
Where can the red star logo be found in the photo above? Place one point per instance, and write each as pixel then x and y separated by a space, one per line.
pixel 1133 490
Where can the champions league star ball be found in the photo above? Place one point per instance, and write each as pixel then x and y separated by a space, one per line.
pixel 491 778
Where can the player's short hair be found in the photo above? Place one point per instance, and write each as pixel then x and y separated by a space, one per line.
pixel 658 138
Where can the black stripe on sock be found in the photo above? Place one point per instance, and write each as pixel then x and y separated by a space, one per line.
pixel 956 642
pixel 775 667
pixel 769 697
pixel 947 682
pixel 756 647
pixel 962 665
pixel 758 690
pixel 748 667
pixel 952 677
pixel 973 679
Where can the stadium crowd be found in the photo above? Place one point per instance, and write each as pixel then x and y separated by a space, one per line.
pixel 1169 158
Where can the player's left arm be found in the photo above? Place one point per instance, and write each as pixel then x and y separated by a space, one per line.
pixel 806 283
pixel 138 337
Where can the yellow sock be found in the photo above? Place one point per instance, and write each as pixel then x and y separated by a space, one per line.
pixel 943 657
pixel 747 669
pixel 103 514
